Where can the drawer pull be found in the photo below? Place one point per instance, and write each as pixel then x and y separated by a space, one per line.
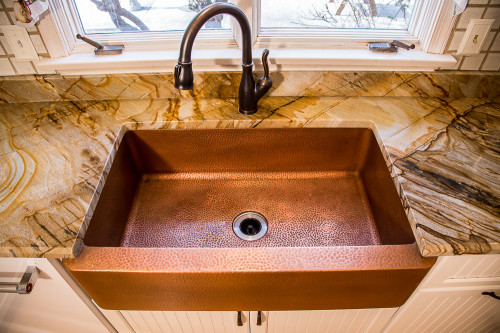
pixel 259 318
pixel 490 293
pixel 25 286
pixel 240 320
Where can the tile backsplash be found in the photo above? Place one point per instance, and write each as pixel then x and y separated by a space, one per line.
pixel 487 60
pixel 9 65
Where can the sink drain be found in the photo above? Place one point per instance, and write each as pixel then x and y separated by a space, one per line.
pixel 250 226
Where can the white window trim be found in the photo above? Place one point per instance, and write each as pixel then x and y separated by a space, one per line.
pixel 429 32
pixel 61 25
pixel 290 51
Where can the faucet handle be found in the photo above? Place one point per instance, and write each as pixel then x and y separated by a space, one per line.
pixel 265 55
pixel 265 82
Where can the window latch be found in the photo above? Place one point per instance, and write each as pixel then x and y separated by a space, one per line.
pixel 391 47
pixel 102 49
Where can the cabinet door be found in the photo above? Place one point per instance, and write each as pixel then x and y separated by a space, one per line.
pixel 52 306
pixel 328 321
pixel 186 321
pixel 464 271
pixel 449 310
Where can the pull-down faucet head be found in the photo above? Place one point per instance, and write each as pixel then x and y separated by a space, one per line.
pixel 249 92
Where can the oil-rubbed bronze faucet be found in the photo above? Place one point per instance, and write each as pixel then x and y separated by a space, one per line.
pixel 250 92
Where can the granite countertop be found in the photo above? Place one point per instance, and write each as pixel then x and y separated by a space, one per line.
pixel 444 151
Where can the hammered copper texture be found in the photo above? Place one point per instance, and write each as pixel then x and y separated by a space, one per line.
pixel 302 210
pixel 235 279
pixel 307 183
pixel 331 243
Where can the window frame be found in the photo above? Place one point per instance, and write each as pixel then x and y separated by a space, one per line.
pixel 64 23
pixel 318 37
pixel 429 31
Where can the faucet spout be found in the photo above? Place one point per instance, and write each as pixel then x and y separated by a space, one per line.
pixel 249 92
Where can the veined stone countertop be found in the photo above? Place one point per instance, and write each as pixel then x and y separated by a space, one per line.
pixel 445 153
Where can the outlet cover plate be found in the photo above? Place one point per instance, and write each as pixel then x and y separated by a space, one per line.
pixel 475 36
pixel 19 42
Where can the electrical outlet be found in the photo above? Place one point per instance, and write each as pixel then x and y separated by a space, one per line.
pixel 475 36
pixel 20 42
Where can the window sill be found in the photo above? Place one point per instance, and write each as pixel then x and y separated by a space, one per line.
pixel 230 59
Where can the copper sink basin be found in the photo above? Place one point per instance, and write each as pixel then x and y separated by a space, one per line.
pixel 161 235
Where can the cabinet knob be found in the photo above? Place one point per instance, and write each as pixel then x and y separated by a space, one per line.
pixel 25 286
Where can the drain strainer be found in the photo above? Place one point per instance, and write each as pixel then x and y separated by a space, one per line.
pixel 250 226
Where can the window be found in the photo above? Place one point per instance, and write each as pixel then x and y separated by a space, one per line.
pixel 158 26
pixel 336 14
pixel 115 16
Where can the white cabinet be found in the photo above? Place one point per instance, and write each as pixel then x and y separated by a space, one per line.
pixel 450 298
pixel 52 306
pixel 342 321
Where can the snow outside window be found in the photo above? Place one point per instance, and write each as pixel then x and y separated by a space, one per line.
pixel 118 16
pixel 336 14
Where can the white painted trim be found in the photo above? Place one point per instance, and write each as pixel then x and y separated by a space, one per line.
pixel 352 39
pixel 159 41
pixel 435 26
pixel 429 29
pixel 59 27
pixel 55 44
pixel 59 267
pixel 230 60
pixel 293 49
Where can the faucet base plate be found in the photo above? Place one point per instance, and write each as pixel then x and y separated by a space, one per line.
pixel 247 112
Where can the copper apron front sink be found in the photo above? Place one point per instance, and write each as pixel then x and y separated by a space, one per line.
pixel 161 236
